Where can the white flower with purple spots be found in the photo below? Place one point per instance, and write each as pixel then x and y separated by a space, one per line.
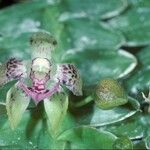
pixel 46 76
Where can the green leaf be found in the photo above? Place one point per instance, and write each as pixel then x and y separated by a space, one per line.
pixel 16 104
pixel 94 9
pixel 98 117
pixel 56 109
pixel 131 128
pixel 68 123
pixel 134 24
pixel 139 81
pixel 88 138
pixel 45 141
pixel 23 137
pixel 86 34
pixel 101 64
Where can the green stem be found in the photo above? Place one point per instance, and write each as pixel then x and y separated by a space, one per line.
pixel 84 101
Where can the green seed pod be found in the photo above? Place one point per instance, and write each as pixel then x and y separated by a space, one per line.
pixel 109 94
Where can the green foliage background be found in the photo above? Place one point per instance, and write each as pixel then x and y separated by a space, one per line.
pixel 104 38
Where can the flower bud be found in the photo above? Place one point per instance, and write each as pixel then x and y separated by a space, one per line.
pixel 109 94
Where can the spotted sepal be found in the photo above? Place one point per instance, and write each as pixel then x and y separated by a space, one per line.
pixel 13 69
pixel 69 76
pixel 42 43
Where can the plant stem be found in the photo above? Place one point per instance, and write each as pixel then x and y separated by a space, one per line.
pixel 84 101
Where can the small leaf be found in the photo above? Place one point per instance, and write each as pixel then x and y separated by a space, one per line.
pixel 16 104
pixel 88 138
pixel 56 109
pixel 110 94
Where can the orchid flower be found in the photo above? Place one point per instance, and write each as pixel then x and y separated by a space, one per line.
pixel 39 79
pixel 45 75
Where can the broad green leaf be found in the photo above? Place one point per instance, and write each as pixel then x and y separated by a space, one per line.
pixel 88 138
pixel 23 22
pixel 139 81
pixel 134 24
pixel 145 121
pixel 97 9
pixel 79 33
pixel 86 34
pixel 45 141
pixel 98 117
pixel 23 137
pixel 95 65
pixel 130 127
pixel 16 104
pixel 56 109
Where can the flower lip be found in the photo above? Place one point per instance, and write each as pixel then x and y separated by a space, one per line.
pixel 41 65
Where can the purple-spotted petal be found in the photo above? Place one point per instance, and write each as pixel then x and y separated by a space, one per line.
pixel 69 76
pixel 13 69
